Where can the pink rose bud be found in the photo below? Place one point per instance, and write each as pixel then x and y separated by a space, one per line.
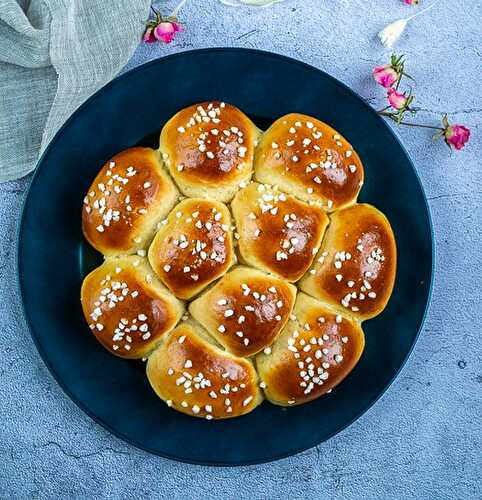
pixel 386 75
pixel 457 136
pixel 397 100
pixel 149 36
pixel 411 2
pixel 166 31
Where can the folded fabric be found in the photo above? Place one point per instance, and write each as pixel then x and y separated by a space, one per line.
pixel 53 55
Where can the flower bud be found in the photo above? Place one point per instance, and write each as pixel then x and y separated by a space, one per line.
pixel 397 100
pixel 149 36
pixel 386 75
pixel 166 30
pixel 456 136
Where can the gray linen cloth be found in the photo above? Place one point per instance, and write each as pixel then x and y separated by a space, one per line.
pixel 53 55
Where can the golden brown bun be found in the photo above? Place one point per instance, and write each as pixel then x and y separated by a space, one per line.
pixel 355 268
pixel 313 354
pixel 194 376
pixel 245 310
pixel 278 233
pixel 309 159
pixel 127 308
pixel 130 194
pixel 209 149
pixel 193 247
pixel 251 328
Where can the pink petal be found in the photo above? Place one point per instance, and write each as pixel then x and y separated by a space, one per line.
pixel 386 76
pixel 177 27
pixel 149 36
pixel 457 136
pixel 396 99
pixel 165 31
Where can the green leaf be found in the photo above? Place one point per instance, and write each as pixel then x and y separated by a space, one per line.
pixel 408 76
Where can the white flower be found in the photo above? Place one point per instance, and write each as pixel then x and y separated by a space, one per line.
pixel 391 33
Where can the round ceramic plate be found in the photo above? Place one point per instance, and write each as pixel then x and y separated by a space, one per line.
pixel 53 258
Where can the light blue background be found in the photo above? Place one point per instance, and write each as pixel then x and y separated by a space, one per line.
pixel 423 438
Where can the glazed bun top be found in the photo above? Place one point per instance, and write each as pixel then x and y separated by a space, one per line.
pixel 245 310
pixel 127 308
pixel 130 194
pixel 277 233
pixel 194 376
pixel 313 354
pixel 193 247
pixel 355 268
pixel 209 149
pixel 307 158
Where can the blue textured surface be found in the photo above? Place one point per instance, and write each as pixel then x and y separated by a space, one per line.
pixel 423 438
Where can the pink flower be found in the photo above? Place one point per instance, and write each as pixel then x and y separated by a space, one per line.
pixel 386 75
pixel 162 28
pixel 149 36
pixel 166 30
pixel 397 100
pixel 411 2
pixel 456 136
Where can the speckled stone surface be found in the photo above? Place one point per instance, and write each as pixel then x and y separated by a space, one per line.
pixel 423 438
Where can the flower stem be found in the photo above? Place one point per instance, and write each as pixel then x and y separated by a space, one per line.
pixel 180 5
pixel 157 14
pixel 420 125
pixel 423 10
pixel 380 111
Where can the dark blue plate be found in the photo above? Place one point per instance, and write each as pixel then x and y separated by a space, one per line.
pixel 53 258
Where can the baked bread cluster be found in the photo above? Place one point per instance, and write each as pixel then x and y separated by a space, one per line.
pixel 238 262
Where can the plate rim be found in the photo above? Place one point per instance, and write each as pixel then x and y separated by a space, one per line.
pixel 20 275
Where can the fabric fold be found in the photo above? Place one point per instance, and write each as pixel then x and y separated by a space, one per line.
pixel 54 54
